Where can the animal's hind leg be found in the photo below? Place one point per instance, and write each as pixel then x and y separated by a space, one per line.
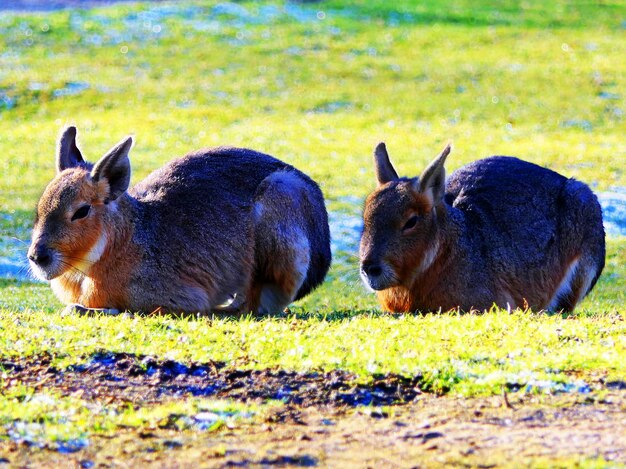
pixel 583 234
pixel 283 251
pixel 284 270
pixel 574 286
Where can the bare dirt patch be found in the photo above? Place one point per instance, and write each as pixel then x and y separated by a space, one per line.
pixel 328 419
pixel 126 378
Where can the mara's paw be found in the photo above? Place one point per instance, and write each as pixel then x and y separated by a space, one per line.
pixel 75 308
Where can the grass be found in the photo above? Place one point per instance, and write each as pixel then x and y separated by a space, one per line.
pixel 319 94
pixel 467 354
pixel 65 423
pixel 319 86
pixel 339 327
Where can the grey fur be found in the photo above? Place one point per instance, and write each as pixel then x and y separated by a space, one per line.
pixel 195 217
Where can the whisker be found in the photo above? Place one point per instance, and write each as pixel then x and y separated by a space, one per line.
pixel 80 259
pixel 27 270
pixel 73 268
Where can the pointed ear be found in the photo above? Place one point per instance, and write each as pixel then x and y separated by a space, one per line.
pixel 384 169
pixel 68 154
pixel 114 167
pixel 432 182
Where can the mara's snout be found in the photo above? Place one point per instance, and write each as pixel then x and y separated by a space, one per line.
pixel 377 275
pixel 43 260
pixel 498 231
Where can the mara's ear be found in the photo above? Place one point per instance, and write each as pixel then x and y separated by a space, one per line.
pixel 68 154
pixel 384 169
pixel 432 182
pixel 114 167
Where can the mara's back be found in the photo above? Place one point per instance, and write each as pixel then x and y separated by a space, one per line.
pixel 197 221
pixel 531 225
pixel 195 194
pixel 217 174
pixel 510 204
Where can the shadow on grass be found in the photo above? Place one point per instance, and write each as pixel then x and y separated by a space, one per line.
pixel 330 316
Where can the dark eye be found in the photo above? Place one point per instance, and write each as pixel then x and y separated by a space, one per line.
pixel 81 212
pixel 411 222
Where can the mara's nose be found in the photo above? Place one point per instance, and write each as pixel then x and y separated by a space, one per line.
pixel 371 269
pixel 40 255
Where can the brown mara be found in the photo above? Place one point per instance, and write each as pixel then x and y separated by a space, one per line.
pixel 224 229
pixel 498 231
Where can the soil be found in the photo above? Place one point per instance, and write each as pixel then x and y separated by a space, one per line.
pixel 140 380
pixel 328 419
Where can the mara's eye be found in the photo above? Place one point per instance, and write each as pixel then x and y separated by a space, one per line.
pixel 411 222
pixel 81 212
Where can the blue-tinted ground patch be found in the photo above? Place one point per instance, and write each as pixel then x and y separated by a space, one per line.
pixel 614 211
pixel 15 227
pixel 148 26
pixel 153 22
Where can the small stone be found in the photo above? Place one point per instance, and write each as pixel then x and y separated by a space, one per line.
pixel 172 444
pixel 432 435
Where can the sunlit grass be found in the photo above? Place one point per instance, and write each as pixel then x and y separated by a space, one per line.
pixel 318 93
pixel 339 327
pixel 65 423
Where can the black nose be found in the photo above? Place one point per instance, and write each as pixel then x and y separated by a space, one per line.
pixel 372 269
pixel 40 255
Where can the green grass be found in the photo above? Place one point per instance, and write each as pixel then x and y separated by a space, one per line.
pixel 542 81
pixel 63 423
pixel 339 327
pixel 318 94
pixel 467 354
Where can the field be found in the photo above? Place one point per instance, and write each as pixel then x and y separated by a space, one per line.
pixel 333 381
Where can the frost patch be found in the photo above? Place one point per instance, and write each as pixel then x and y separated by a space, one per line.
pixel 577 123
pixel 13 249
pixel 545 386
pixel 15 269
pixel 332 107
pixel 6 101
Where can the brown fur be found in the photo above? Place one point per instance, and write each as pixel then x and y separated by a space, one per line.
pixel 500 231
pixel 106 281
pixel 206 228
